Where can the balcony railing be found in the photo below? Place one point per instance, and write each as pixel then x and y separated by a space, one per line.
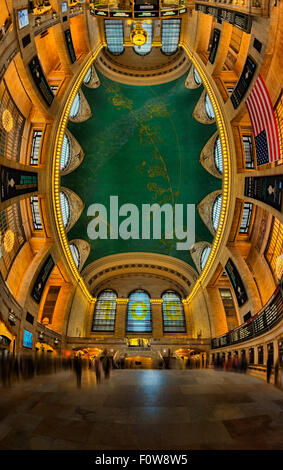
pixel 260 323
pixel 252 7
pixel 126 8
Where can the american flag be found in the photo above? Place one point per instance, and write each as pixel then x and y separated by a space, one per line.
pixel 264 123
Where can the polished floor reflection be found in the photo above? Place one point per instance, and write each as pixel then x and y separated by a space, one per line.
pixel 142 409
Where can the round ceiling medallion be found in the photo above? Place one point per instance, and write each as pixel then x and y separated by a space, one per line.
pixel 9 240
pixel 7 120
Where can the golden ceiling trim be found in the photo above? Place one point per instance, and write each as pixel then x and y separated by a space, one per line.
pixel 55 186
pixel 226 186
pixel 226 179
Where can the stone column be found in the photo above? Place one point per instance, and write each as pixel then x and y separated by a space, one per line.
pixel 157 320
pixel 255 355
pixel 121 317
pixel 217 311
pixel 189 324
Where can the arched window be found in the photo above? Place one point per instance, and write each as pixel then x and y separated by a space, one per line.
pixel 65 208
pixel 173 313
pixel 208 107
pixel 139 312
pixel 197 78
pixel 75 106
pixel 114 34
pixel 204 256
pixel 146 47
pixel 65 153
pixel 88 76
pixel 216 211
pixel 105 311
pixel 76 254
pixel 170 35
pixel 218 155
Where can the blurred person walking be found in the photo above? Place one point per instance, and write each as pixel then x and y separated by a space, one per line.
pixel 97 369
pixel 78 370
pixel 106 364
pixel 268 369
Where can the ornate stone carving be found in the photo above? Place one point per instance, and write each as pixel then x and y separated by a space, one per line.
pixel 94 81
pixel 76 207
pixel 190 81
pixel 199 112
pixel 207 157
pixel 196 252
pixel 84 250
pixel 77 154
pixel 205 209
pixel 84 111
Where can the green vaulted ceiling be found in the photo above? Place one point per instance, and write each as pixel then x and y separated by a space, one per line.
pixel 143 145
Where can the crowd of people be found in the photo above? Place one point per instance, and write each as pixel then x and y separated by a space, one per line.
pixel 235 363
pixel 100 363
pixel 14 368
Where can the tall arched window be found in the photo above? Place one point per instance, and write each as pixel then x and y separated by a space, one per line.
pixel 204 256
pixel 218 155
pixel 75 253
pixel 65 153
pixel 88 76
pixel 216 211
pixel 75 106
pixel 170 35
pixel 197 78
pixel 139 312
pixel 208 107
pixel 173 313
pixel 114 34
pixel 105 311
pixel 65 208
pixel 146 47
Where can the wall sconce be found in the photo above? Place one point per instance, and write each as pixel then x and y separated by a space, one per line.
pixel 56 341
pixel 54 16
pixel 41 335
pixel 71 10
pixel 37 21
pixel 12 317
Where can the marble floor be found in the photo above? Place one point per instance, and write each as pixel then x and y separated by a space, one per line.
pixel 142 409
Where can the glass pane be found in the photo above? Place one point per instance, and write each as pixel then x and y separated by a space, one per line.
pixel 139 312
pixel 75 253
pixel 170 35
pixel 35 213
pixel 65 208
pixel 173 313
pixel 246 218
pixel 114 34
pixel 65 153
pixel 216 211
pixel 204 256
pixel 105 311
pixel 218 155
pixel 88 76
pixel 75 106
pixel 208 108
pixel 197 78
